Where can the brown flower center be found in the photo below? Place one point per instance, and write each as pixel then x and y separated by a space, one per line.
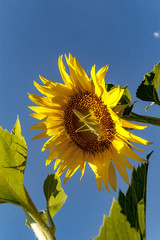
pixel 88 122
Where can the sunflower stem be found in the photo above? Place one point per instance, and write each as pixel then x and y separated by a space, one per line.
pixel 35 226
pixel 40 228
pixel 142 119
pixel 51 223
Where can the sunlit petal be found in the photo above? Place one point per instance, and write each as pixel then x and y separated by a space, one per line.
pixel 80 119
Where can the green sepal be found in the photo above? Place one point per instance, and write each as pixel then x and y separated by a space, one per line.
pixel 126 97
pixel 124 106
pixel 148 90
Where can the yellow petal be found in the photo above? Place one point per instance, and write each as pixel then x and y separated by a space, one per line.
pixel 47 132
pixel 38 126
pixel 119 165
pixel 47 82
pixel 57 117
pixel 38 116
pixel 112 177
pixel 99 183
pixel 60 101
pixel 123 139
pixel 137 139
pixel 44 110
pixel 113 96
pixel 52 156
pixel 67 153
pixel 106 162
pixel 131 125
pixel 55 140
pixel 63 147
pixel 40 135
pixel 73 75
pixel 65 76
pixel 93 162
pixel 98 89
pixel 123 148
pixel 54 130
pixel 85 82
pixel 130 136
pixel 44 101
pixel 57 162
pixel 127 151
pixel 125 162
pixel 99 163
pixel 64 155
pixel 74 165
pixel 58 89
pixel 62 168
pixel 47 125
pixel 71 59
pixel 86 156
pixel 67 161
pixel 116 119
pixel 47 91
pixel 82 167
pixel 100 75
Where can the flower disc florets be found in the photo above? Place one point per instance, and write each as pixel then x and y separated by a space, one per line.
pixel 98 135
pixel 80 120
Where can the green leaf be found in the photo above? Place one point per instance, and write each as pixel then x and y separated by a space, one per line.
pixel 50 187
pixel 148 90
pixel 142 217
pixel 127 218
pixel 126 97
pixel 55 196
pixel 17 129
pixel 116 226
pixel 135 199
pixel 13 156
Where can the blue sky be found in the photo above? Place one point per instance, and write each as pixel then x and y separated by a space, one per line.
pixel 33 33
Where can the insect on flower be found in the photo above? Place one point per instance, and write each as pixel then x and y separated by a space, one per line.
pixel 90 123
pixel 80 117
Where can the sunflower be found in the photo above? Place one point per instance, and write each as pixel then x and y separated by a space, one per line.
pixel 80 120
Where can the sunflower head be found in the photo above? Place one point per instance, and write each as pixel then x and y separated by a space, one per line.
pixel 79 117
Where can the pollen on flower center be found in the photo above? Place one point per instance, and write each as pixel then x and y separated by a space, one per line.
pixel 88 122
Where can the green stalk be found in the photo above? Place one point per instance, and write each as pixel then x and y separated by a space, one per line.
pixel 40 228
pixel 142 119
pixel 51 223
pixel 37 229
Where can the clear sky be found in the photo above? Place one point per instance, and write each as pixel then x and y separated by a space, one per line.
pixel 33 33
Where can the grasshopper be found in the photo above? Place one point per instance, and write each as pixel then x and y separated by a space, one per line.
pixel 89 122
